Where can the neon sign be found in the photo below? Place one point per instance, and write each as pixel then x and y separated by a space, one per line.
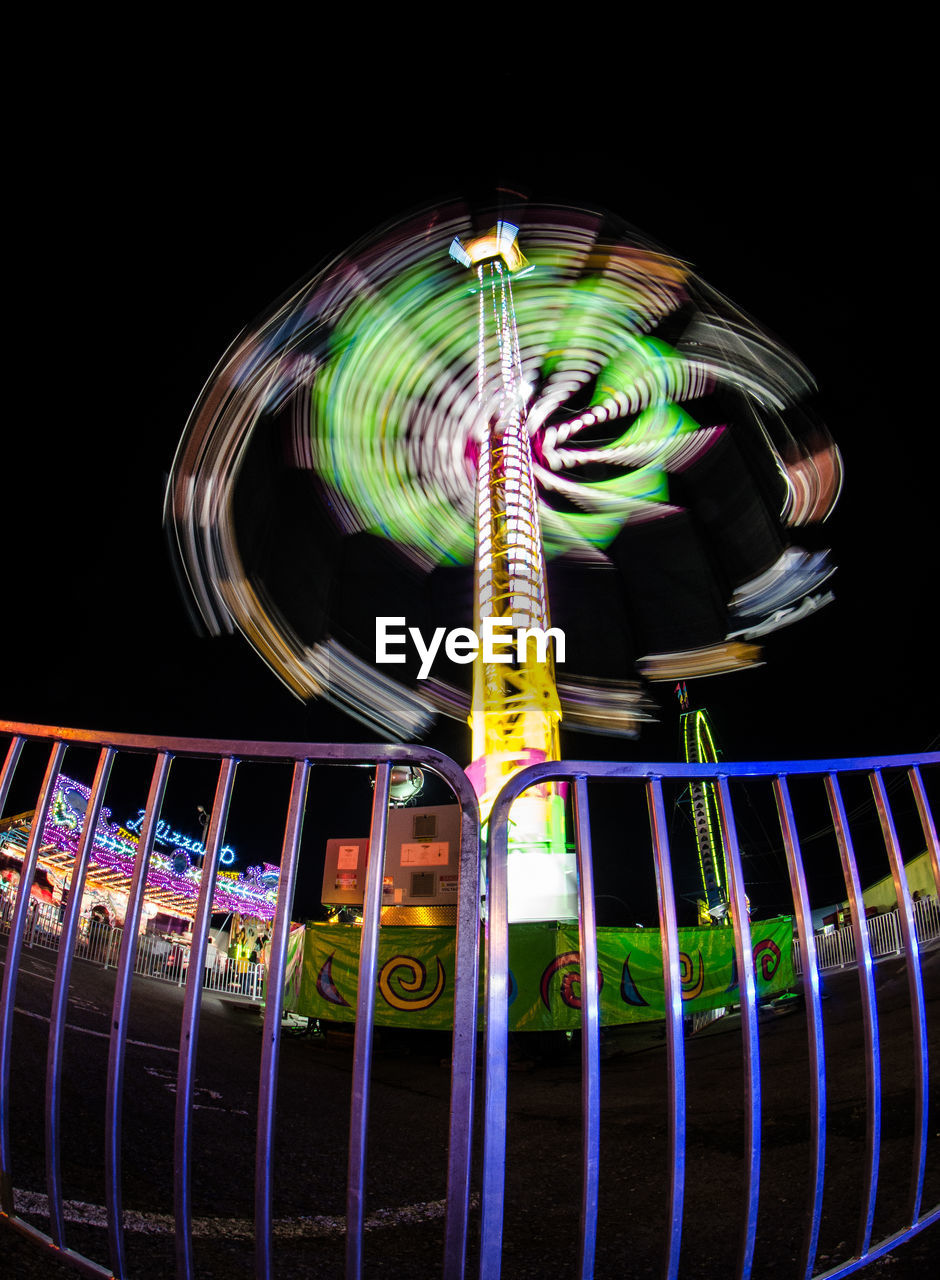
pixel 168 835
pixel 171 869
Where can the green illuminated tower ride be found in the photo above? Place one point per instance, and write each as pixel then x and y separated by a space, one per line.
pixel 699 747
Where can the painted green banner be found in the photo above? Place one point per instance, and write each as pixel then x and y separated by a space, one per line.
pixel 416 972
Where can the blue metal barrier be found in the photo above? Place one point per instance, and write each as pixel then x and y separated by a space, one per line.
pixel 228 753
pixel 457 1244
pixel 651 777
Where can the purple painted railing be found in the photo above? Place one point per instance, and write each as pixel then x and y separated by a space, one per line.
pixel 649 778
pixel 228 754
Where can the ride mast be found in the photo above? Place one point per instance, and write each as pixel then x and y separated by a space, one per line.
pixel 515 711
pixel 699 747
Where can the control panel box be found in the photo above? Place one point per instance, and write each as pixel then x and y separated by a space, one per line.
pixel 422 856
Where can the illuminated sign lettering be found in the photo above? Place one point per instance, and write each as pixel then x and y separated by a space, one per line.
pixel 167 835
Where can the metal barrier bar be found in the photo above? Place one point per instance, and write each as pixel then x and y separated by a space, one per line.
pixel 748 997
pixel 10 761
pixel 120 1013
pixel 367 753
pixel 60 995
pixel 497 1015
pixel 869 1008
pixel 464 1045
pixel 816 1051
pixel 915 987
pixel 675 1044
pixel 102 941
pixel 11 968
pixel 365 1014
pixel 271 1040
pixel 927 823
pixel 496 936
pixel 590 1032
pixel 915 919
pixel 189 1032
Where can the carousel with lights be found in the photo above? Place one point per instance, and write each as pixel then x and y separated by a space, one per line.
pixel 173 876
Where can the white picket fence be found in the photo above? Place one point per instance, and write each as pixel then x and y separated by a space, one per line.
pixel 836 950
pixel 156 957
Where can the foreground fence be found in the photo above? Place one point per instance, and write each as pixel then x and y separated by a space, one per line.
pixel 781 774
pixel 228 754
pixel 646 780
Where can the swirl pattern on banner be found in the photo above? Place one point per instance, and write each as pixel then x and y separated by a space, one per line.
pixel 571 980
pixel 692 983
pixel 766 958
pixel 404 992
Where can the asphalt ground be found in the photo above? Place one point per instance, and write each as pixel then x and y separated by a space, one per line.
pixel 409 1101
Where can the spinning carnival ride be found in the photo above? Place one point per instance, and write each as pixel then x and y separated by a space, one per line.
pixel 698 745
pixel 425 422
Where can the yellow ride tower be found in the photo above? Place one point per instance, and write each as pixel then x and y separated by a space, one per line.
pixel 515 711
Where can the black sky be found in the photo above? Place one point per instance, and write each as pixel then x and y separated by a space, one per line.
pixel 153 262
pixel 144 258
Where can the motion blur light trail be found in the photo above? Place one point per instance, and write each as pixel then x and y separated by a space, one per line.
pixel 328 473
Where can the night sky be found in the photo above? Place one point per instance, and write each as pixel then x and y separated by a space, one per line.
pixel 146 261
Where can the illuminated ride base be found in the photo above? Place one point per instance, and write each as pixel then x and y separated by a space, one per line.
pixel 515 710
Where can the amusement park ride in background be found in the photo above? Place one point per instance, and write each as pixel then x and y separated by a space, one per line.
pixel 413 433
pixel 699 747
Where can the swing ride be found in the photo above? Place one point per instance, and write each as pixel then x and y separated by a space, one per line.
pixel 467 418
